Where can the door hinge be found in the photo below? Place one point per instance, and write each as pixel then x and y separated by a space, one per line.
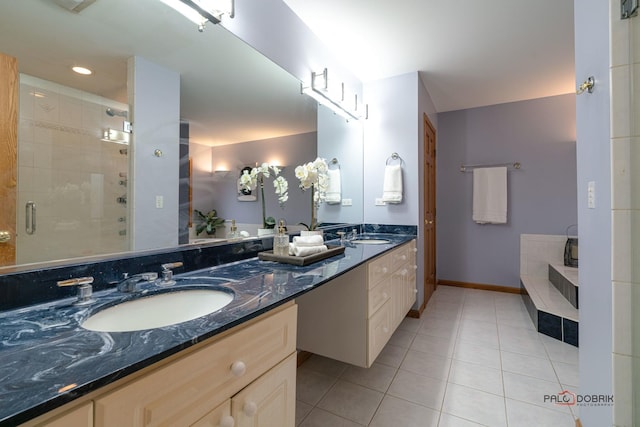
pixel 628 8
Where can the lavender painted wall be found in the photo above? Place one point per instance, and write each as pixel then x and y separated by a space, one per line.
pixel 289 151
pixel 396 106
pixel 343 141
pixel 540 134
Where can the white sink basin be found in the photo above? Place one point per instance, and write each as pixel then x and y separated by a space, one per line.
pixel 158 310
pixel 370 241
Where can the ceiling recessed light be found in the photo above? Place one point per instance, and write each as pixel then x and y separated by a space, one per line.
pixel 82 70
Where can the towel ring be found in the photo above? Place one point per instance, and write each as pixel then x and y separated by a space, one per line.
pixel 334 162
pixel 394 156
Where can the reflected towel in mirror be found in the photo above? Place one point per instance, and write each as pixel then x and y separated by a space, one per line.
pixel 334 190
pixel 392 187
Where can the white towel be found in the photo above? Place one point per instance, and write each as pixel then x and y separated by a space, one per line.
pixel 312 240
pixel 334 190
pixel 392 188
pixel 306 250
pixel 490 195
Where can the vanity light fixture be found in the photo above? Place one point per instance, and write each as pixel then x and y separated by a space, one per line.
pixel 319 90
pixel 201 11
pixel 82 70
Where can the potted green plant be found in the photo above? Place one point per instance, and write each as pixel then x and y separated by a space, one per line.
pixel 208 222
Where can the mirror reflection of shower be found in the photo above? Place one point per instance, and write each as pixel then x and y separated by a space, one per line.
pixel 112 112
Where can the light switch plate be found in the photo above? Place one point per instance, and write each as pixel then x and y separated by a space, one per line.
pixel 159 202
pixel 347 202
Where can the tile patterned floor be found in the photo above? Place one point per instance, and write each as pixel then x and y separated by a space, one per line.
pixel 473 359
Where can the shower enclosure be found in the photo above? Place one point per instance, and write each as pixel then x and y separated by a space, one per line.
pixel 73 163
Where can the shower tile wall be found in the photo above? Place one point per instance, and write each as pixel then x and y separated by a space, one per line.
pixel 625 168
pixel 70 173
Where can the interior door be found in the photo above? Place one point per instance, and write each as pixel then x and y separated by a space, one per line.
pixel 9 157
pixel 429 209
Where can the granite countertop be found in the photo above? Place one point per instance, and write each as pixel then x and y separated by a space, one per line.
pixel 47 359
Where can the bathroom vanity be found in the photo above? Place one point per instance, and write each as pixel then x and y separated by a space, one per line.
pixel 352 317
pixel 243 375
pixel 237 364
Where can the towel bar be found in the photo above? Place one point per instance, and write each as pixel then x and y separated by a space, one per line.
pixel 467 168
pixel 394 156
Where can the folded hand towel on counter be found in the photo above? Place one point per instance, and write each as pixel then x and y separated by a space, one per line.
pixel 392 187
pixel 306 250
pixel 313 240
pixel 334 189
pixel 490 195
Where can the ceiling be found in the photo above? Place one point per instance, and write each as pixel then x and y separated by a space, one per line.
pixel 469 53
pixel 229 92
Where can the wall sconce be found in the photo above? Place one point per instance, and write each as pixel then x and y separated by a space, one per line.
pixel 319 90
pixel 117 136
pixel 201 11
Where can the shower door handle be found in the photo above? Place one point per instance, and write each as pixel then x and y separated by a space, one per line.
pixel 30 217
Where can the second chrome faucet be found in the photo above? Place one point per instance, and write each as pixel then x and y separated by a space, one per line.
pixel 130 283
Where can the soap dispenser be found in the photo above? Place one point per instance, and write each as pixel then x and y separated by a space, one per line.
pixel 233 233
pixel 281 241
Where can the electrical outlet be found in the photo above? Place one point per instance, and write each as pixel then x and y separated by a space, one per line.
pixel 159 202
pixel 591 195
pixel 347 202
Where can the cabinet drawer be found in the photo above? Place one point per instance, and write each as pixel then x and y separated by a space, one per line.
pixel 219 417
pixel 378 270
pixel 378 296
pixel 379 331
pixel 184 391
pixel 400 256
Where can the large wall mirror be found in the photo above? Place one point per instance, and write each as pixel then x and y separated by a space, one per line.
pixel 73 173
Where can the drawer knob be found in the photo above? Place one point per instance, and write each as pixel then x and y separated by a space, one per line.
pixel 415 291
pixel 385 295
pixel 227 421
pixel 250 409
pixel 415 249
pixel 403 257
pixel 385 270
pixel 385 329
pixel 404 272
pixel 415 267
pixel 238 368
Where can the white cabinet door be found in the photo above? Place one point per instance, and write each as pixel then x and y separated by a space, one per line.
pixel 270 401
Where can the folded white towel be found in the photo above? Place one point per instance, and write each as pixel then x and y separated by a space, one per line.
pixel 334 189
pixel 306 250
pixel 490 195
pixel 392 188
pixel 312 240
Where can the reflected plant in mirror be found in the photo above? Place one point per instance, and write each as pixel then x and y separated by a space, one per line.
pixel 256 177
pixel 209 222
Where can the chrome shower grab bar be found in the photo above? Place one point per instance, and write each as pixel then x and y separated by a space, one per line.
pixel 30 217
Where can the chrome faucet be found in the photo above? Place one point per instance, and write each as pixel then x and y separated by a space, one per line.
pixel 167 274
pixel 128 284
pixel 85 290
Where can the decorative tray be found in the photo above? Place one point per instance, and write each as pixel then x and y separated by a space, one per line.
pixel 302 260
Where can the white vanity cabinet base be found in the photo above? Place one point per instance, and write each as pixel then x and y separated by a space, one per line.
pixel 352 317
pixel 184 391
